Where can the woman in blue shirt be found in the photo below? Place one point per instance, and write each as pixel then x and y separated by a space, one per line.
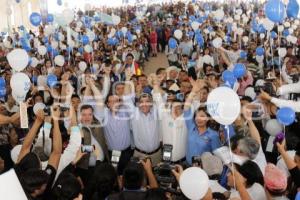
pixel 200 137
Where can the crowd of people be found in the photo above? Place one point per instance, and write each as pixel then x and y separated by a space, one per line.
pixel 92 125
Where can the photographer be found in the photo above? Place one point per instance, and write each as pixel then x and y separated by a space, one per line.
pixel 133 180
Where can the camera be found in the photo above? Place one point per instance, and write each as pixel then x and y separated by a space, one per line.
pixel 267 87
pixel 196 161
pixel 115 158
pixel 295 77
pixel 47 110
pixel 88 148
pixel 163 172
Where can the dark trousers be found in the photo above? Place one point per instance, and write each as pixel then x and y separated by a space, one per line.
pixel 124 159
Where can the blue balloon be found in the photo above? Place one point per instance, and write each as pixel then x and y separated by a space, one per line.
pixel 239 70
pixel 85 39
pixel 275 10
pixel 227 75
pixel 110 41
pixel 260 51
pixel 27 48
pixel 59 2
pixel 69 49
pixel 243 54
pixel 2 82
pixel 292 9
pixel 55 52
pixel 18 1
pixel 80 50
pixel 51 80
pixel 191 34
pixel 200 39
pixel 2 92
pixel 49 48
pixel 45 40
pixel 297 196
pixel 50 18
pixel 35 19
pixel 172 43
pixel 273 35
pixel 192 18
pixel 97 18
pixel 34 79
pixel 285 32
pixel 261 29
pixel 286 116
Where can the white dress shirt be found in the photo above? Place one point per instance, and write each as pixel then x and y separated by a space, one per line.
pixel 174 131
pixel 145 128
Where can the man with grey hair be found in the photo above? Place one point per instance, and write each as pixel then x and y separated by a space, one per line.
pixel 249 147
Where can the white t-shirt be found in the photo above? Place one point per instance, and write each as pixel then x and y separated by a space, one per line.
pixel 260 160
pixel 256 192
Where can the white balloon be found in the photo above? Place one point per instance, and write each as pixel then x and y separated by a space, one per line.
pixel 250 92
pixel 61 37
pixel 259 59
pixel 82 66
pixel 20 83
pixel 273 127
pixel 262 35
pixel 63 46
pixel 280 28
pixel 223 104
pixel 134 37
pixel 116 19
pixel 124 30
pixel 217 42
pixel 79 24
pixel 282 52
pixel 289 38
pixel 138 31
pixel 34 62
pixel 239 11
pixel 88 48
pixel 287 24
pixel 240 31
pixel 195 25
pixel 178 34
pixel 237 17
pixel 71 43
pixel 54 44
pixel 294 26
pixel 91 35
pixel 245 39
pixel 194 183
pixel 59 60
pixel 50 29
pixel 42 50
pixel 294 40
pixel 219 14
pixel 7 44
pixel 37 107
pixel 267 24
pixel 15 152
pixel 18 59
pixel 18 97
pixel 68 15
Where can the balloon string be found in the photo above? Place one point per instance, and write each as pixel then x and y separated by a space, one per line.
pixel 231 155
pixel 280 67
pixel 272 51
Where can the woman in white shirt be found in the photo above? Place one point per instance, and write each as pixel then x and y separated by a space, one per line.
pixel 252 179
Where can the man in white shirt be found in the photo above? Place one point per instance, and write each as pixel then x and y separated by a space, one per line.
pixel 145 129
pixel 172 127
